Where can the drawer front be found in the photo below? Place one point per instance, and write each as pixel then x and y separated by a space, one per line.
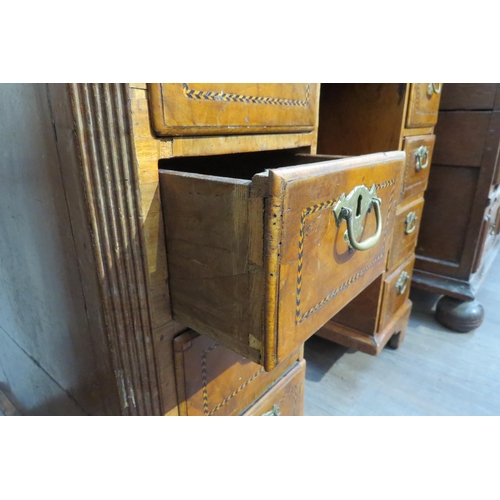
pixel 285 399
pixel 424 105
pixel 315 273
pixel 462 136
pixel 418 151
pixel 212 380
pixel 472 96
pixel 405 233
pixel 396 291
pixel 179 109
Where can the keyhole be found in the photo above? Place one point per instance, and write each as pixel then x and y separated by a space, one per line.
pixel 358 210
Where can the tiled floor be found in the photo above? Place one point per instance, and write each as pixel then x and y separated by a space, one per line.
pixel 435 371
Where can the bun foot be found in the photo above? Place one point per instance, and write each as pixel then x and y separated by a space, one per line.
pixel 458 315
pixel 396 340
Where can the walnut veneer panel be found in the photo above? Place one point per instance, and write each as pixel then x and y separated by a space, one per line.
pixel 396 291
pixel 423 106
pixel 462 136
pixel 232 108
pixel 215 381
pixel 449 201
pixel 472 96
pixel 418 164
pixel 406 228
pixel 285 399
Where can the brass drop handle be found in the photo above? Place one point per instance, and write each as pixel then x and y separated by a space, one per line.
pixel 274 412
pixel 421 158
pixel 353 209
pixel 402 282
pixel 372 240
pixel 411 222
pixel 434 88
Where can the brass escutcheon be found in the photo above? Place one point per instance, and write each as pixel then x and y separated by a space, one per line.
pixel 353 208
pixel 411 222
pixel 402 282
pixel 421 158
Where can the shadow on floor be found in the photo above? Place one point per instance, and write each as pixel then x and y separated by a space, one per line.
pixel 323 354
pixel 423 301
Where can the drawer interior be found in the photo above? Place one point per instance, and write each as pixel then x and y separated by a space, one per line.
pixel 243 166
pixel 360 118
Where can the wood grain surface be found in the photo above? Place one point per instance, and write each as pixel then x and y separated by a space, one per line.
pixel 461 138
pixel 422 107
pixel 403 243
pixel 233 108
pixel 213 380
pixel 221 257
pixel 470 96
pixel 361 118
pixel 54 354
pixel 415 180
pixel 285 398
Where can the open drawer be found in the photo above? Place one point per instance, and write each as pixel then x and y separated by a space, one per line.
pixel 258 250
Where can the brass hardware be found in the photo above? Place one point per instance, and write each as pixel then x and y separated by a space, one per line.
pixel 411 222
pixel 274 412
pixel 402 282
pixel 421 156
pixel 434 88
pixel 353 208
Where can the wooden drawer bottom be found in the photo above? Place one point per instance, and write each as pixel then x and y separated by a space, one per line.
pixel 285 399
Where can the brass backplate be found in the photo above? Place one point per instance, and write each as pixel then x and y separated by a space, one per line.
pixel 359 203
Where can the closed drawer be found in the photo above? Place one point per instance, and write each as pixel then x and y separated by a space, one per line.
pixel 471 96
pixel 212 380
pixel 285 399
pixel 396 291
pixel 418 151
pixel 259 261
pixel 424 105
pixel 405 233
pixel 462 137
pixel 179 109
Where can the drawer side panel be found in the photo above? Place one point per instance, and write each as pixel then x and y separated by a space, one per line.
pixel 215 286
